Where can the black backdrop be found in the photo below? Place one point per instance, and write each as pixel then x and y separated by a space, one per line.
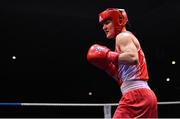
pixel 50 40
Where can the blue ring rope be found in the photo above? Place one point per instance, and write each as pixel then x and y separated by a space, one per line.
pixel 10 104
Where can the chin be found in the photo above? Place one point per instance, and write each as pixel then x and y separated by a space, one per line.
pixel 109 36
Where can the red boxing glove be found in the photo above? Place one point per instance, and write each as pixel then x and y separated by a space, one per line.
pixel 100 55
pixel 112 70
pixel 103 58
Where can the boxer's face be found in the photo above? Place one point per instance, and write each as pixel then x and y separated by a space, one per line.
pixel 108 28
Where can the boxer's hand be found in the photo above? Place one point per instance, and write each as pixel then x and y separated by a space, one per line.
pixel 103 58
pixel 98 54
pixel 112 70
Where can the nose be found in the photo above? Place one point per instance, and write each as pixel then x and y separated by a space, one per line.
pixel 104 27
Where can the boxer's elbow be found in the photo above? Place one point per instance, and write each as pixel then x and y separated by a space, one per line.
pixel 129 58
pixel 135 60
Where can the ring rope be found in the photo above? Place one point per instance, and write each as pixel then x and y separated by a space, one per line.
pixel 72 104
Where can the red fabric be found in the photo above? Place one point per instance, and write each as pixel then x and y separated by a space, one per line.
pixel 97 55
pixel 101 56
pixel 143 72
pixel 139 103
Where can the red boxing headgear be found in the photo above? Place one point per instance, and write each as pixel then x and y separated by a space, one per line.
pixel 118 17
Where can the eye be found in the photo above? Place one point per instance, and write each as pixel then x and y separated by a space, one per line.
pixel 106 22
pixel 120 19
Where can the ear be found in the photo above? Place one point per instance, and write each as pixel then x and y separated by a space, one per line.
pixel 121 20
pixel 124 18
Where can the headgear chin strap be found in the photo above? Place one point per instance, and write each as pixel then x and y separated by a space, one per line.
pixel 118 17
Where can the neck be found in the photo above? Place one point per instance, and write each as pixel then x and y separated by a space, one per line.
pixel 123 29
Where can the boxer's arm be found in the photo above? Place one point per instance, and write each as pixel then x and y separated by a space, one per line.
pixel 103 58
pixel 100 56
pixel 112 71
pixel 129 52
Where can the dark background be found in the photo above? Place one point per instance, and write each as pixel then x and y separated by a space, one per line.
pixel 50 39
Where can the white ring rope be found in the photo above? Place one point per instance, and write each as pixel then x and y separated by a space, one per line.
pixel 86 104
pixel 106 106
pixel 72 104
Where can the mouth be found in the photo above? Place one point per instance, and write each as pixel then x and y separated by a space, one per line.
pixel 106 32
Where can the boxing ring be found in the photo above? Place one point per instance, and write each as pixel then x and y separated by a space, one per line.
pixel 105 107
